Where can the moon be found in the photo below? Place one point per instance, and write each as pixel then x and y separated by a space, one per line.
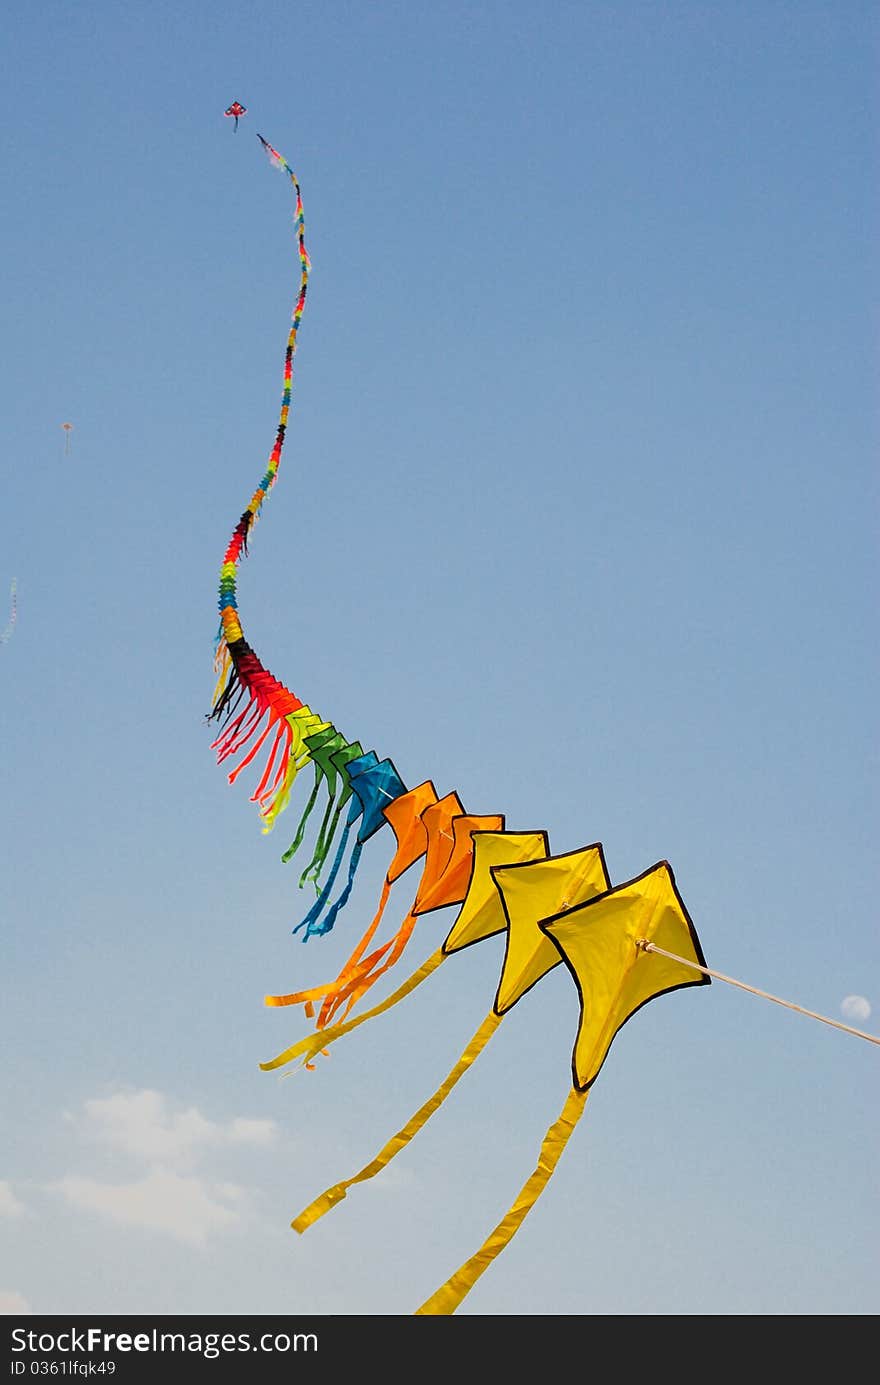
pixel 855 1007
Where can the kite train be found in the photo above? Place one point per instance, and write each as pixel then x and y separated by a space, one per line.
pixel 623 945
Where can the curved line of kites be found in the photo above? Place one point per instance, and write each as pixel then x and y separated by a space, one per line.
pixel 623 945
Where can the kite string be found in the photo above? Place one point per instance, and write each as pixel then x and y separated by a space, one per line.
pixel 859 1033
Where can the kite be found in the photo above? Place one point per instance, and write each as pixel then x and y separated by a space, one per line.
pixel 235 110
pixel 13 612
pixel 622 945
pixel 68 429
pixel 448 848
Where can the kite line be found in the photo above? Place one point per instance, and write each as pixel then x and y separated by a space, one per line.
pixel 765 995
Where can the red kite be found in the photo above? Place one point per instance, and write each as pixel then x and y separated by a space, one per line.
pixel 235 110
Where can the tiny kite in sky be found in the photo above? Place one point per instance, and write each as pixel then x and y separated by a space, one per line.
pixel 235 110
pixel 13 612
pixel 68 429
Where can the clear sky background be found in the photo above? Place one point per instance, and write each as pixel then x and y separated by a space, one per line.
pixel 577 515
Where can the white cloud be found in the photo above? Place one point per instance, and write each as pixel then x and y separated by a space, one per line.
pixel 9 1203
pixel 190 1209
pixel 169 1198
pixel 142 1123
pixel 13 1304
pixel 252 1132
pixel 855 1007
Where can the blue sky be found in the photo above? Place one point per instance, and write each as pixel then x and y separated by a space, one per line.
pixel 577 516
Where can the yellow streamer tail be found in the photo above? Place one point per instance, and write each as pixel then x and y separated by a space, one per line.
pixel 449 1295
pixel 314 1044
pixel 334 1195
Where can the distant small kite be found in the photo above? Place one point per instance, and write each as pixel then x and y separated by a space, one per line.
pixel 13 611
pixel 235 110
pixel 68 429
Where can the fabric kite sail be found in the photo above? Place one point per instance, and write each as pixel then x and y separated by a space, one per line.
pixel 236 111
pixel 447 845
pixel 600 935
pixel 602 943
pixel 371 784
pixel 331 758
pixel 514 879
pixel 404 815
pixel 319 746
